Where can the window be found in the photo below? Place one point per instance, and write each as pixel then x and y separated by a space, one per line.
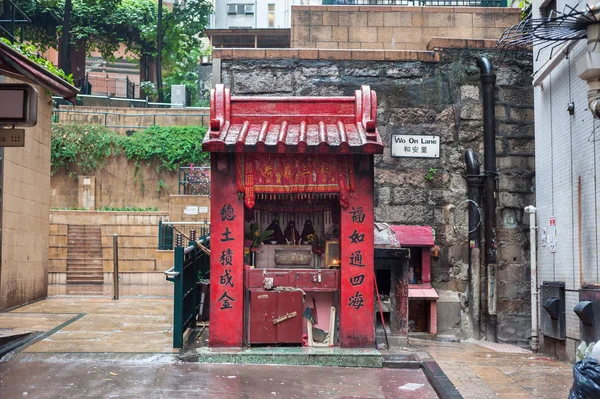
pixel 271 15
pixel 240 9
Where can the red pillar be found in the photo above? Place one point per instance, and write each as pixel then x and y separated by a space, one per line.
pixel 357 328
pixel 227 255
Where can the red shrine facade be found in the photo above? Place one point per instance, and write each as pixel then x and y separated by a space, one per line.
pixel 292 252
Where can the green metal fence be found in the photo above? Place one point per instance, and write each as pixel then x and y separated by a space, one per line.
pixel 167 231
pixel 190 274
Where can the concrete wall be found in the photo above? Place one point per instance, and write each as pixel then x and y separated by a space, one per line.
pixel 394 27
pixel 123 119
pixel 25 206
pixel 430 93
pixel 118 184
pixel 567 155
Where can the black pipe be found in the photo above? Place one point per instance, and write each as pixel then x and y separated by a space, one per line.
pixel 488 82
pixel 474 186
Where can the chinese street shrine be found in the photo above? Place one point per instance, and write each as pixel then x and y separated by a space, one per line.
pixel 292 252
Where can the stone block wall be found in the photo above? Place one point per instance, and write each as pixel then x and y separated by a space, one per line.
pixel 438 95
pixel 25 206
pixel 119 183
pixel 122 120
pixel 394 27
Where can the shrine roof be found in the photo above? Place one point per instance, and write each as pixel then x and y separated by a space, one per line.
pixel 327 125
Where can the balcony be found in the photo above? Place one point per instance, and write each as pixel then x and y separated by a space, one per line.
pixel 420 3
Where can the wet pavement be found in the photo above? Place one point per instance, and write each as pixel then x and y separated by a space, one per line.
pixel 88 339
pixel 192 380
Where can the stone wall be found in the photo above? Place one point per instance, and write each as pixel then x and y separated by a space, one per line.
pixel 436 97
pixel 120 183
pixel 122 120
pixel 394 27
pixel 25 206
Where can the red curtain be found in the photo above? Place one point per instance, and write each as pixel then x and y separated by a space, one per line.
pixel 259 173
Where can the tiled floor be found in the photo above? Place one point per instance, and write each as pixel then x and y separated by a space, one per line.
pixel 139 325
pixel 479 372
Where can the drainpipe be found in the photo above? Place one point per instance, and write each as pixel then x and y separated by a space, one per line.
pixel 488 81
pixel 533 259
pixel 474 184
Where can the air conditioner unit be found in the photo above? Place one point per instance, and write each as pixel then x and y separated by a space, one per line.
pixel 231 9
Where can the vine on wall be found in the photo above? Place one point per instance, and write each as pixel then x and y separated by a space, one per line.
pixel 87 147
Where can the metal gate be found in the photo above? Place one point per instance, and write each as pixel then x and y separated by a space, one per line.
pixel 190 274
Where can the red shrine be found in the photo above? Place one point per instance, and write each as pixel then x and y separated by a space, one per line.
pixel 292 252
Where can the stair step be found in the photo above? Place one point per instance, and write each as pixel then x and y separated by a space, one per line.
pixel 84 282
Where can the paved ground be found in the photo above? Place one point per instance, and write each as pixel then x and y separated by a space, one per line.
pixel 84 329
pixel 192 380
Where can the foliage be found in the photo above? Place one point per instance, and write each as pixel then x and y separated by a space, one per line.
pixel 87 147
pixel 255 237
pixel 431 174
pixel 525 6
pixel 317 243
pixel 30 52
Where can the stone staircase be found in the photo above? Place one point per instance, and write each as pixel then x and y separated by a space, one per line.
pixel 84 255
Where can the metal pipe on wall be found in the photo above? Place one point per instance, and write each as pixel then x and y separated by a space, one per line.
pixel 474 183
pixel 534 294
pixel 488 81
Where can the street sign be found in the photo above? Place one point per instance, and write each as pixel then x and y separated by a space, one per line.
pixel 415 146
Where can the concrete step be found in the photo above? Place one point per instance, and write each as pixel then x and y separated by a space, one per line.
pixel 85 282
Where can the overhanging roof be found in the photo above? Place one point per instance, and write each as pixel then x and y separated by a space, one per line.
pixel 335 125
pixel 16 65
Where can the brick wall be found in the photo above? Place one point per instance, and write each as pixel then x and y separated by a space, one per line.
pixel 437 95
pixel 25 206
pixel 122 119
pixel 394 27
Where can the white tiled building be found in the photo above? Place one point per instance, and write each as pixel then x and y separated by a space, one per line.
pixel 567 156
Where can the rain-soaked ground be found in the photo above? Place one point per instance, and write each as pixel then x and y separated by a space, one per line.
pixel 154 378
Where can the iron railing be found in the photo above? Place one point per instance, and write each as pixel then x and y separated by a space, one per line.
pixel 194 180
pixel 167 232
pixel 189 274
pixel 11 19
pixel 109 86
pixel 421 3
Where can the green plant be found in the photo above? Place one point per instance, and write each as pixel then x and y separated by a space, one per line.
pixel 30 52
pixel 430 174
pixel 256 238
pixel 85 148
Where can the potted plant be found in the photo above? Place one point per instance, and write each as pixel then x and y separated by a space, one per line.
pixel 254 239
pixel 318 247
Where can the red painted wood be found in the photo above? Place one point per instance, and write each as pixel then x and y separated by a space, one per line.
pixel 227 257
pixel 309 280
pixel 263 309
pixel 294 124
pixel 290 331
pixel 255 278
pixel 357 328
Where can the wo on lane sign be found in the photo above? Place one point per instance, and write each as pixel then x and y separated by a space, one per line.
pixel 415 146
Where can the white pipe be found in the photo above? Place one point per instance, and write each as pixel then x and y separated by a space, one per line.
pixel 534 294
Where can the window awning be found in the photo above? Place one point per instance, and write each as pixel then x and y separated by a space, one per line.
pixel 414 236
pixel 325 125
pixel 16 65
pixel 422 293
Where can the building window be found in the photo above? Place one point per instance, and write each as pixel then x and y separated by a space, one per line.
pixel 271 15
pixel 240 9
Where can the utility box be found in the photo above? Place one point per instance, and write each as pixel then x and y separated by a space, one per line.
pixel 178 96
pixel 552 314
pixel 588 311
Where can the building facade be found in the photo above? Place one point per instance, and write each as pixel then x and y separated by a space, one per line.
pixel 566 186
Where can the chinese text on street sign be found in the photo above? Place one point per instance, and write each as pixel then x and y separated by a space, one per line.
pixel 415 146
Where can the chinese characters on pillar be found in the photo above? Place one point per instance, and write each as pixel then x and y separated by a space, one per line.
pixel 356 242
pixel 226 300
